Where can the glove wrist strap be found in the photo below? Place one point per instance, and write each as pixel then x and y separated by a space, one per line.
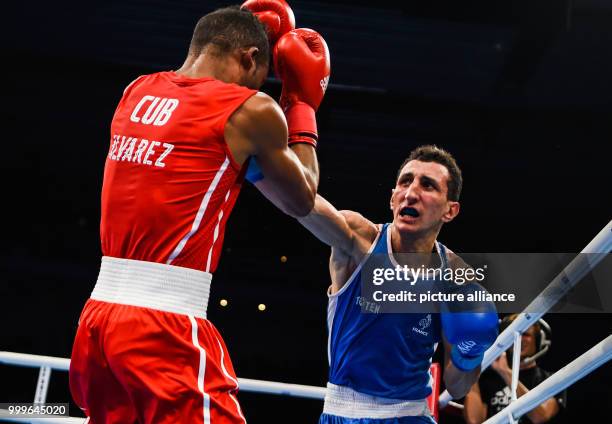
pixel 302 123
pixel 302 138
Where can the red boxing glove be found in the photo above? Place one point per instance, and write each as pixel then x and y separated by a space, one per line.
pixel 301 61
pixel 276 15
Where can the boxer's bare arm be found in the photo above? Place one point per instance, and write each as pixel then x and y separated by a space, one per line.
pixel 349 234
pixel 474 409
pixel 259 128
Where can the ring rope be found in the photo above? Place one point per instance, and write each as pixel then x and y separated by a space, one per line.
pixel 597 250
pixel 586 363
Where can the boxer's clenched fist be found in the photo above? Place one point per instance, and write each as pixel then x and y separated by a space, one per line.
pixel 276 15
pixel 302 62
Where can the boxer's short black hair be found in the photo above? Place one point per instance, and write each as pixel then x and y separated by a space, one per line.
pixel 431 153
pixel 228 29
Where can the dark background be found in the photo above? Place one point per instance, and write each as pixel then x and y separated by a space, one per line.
pixel 519 92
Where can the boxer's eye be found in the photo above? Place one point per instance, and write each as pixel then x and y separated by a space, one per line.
pixel 429 184
pixel 405 180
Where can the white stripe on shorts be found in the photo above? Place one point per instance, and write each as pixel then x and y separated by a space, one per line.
pixel 201 369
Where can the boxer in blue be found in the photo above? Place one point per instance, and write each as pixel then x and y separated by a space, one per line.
pixel 379 362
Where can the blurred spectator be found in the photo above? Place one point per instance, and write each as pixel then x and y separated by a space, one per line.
pixel 492 393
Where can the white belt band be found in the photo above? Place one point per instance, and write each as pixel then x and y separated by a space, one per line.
pixel 152 285
pixel 345 402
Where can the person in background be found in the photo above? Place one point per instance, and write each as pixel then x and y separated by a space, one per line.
pixel 492 393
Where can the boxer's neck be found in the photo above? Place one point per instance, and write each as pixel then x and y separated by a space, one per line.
pixel 412 243
pixel 224 68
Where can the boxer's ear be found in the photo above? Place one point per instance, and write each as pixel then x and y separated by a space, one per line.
pixel 452 212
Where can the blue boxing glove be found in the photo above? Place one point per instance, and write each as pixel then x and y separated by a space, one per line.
pixel 470 327
pixel 253 173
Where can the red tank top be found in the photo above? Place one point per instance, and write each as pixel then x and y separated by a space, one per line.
pixel 170 181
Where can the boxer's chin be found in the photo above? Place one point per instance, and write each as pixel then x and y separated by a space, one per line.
pixel 407 223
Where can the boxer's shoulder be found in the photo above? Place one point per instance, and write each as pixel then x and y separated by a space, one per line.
pixel 257 110
pixel 257 124
pixel 358 222
pixel 364 230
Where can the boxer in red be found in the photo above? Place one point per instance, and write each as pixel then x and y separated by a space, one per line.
pixel 180 143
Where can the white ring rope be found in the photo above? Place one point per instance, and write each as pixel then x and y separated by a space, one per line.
pixel 590 256
pixel 34 361
pixel 245 384
pixel 575 370
pixel 566 376
pixel 63 364
pixel 597 249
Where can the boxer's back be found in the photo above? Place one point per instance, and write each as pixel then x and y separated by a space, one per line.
pixel 170 181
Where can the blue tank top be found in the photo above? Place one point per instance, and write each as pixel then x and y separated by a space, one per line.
pixel 387 355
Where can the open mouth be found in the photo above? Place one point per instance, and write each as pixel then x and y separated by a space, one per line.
pixel 409 212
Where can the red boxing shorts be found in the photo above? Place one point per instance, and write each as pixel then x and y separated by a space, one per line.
pixel 144 351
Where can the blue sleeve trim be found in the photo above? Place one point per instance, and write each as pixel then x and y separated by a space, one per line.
pixel 253 173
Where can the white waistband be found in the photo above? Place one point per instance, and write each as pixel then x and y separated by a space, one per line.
pixel 345 402
pixel 152 285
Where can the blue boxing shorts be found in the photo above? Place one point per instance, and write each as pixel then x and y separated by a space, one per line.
pixel 344 405
pixel 334 419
